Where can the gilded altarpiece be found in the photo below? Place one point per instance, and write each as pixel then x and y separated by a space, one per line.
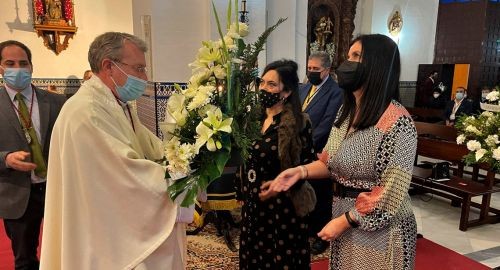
pixel 330 24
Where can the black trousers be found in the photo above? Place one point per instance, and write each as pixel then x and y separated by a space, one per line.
pixel 24 232
pixel 322 213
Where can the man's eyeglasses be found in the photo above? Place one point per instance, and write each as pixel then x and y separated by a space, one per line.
pixel 138 68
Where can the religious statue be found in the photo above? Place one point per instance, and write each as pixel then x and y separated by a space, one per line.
pixel 395 24
pixel 323 31
pixel 54 9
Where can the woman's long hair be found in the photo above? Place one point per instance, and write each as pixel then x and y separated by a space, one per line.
pixel 379 69
pixel 287 71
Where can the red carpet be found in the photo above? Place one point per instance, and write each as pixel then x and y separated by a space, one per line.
pixel 428 254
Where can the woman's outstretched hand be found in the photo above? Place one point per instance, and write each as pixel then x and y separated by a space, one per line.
pixel 286 179
pixel 282 182
pixel 266 192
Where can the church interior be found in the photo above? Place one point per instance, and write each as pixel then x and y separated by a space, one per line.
pixel 458 40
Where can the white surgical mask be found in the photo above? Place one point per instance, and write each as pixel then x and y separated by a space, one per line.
pixel 435 95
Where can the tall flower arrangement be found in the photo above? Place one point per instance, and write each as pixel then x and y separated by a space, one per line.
pixel 217 116
pixel 481 133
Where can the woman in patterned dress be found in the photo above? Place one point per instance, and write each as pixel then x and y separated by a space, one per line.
pixel 272 235
pixel 370 156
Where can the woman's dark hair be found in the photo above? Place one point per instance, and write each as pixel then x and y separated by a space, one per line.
pixel 287 71
pixel 379 69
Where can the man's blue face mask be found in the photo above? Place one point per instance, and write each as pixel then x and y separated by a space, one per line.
pixel 132 89
pixel 17 78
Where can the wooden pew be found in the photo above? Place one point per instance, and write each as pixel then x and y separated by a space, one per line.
pixel 426 114
pixel 437 131
pixel 445 133
pixel 457 188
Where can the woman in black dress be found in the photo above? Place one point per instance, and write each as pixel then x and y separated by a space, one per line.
pixel 272 235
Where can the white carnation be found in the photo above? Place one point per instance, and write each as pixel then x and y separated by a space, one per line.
pixel 473 145
pixel 219 72
pixel 492 140
pixel 202 97
pixel 496 154
pixel 487 114
pixel 493 96
pixel 460 139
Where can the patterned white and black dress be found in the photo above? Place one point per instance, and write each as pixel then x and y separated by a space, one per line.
pixel 383 156
pixel 272 235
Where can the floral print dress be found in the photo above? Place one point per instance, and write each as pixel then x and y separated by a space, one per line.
pixel 272 235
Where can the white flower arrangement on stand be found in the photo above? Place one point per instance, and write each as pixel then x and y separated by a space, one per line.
pixel 481 133
pixel 217 116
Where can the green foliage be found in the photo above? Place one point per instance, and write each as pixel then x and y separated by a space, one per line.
pixel 218 115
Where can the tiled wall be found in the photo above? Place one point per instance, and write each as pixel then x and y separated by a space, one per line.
pixel 407 91
pixel 151 108
pixel 64 86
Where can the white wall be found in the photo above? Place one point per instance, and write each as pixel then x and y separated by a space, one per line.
pixel 257 23
pixel 179 26
pixel 417 37
pixel 92 17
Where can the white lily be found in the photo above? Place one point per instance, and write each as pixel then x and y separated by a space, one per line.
pixel 480 153
pixel 176 109
pixel 211 125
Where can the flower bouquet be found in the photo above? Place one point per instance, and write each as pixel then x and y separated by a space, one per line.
pixel 217 115
pixel 480 133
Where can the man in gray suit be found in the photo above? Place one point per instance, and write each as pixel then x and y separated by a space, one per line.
pixel 27 116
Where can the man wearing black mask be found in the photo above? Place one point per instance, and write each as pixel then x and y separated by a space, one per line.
pixel 321 98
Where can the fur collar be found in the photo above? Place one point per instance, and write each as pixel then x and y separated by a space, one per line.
pixel 289 138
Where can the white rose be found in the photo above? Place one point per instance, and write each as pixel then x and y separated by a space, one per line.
pixel 243 29
pixel 480 153
pixel 460 139
pixel 496 153
pixel 492 140
pixel 487 114
pixel 473 145
pixel 493 96
pixel 473 129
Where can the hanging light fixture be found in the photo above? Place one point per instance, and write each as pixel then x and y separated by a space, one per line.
pixel 244 12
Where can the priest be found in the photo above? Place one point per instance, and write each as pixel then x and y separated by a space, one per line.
pixel 106 202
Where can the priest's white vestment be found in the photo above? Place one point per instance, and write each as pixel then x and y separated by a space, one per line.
pixel 106 202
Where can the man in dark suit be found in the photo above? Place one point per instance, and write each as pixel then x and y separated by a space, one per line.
pixel 426 89
pixel 321 98
pixel 27 116
pixel 460 105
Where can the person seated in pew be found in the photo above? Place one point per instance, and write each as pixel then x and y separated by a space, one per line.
pixel 458 106
pixel 437 100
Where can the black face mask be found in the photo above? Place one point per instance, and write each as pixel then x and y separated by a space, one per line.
pixel 349 75
pixel 268 99
pixel 314 77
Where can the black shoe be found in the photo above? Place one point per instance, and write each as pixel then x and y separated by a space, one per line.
pixel 318 246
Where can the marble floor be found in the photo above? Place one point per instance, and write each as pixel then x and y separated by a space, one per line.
pixel 438 221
